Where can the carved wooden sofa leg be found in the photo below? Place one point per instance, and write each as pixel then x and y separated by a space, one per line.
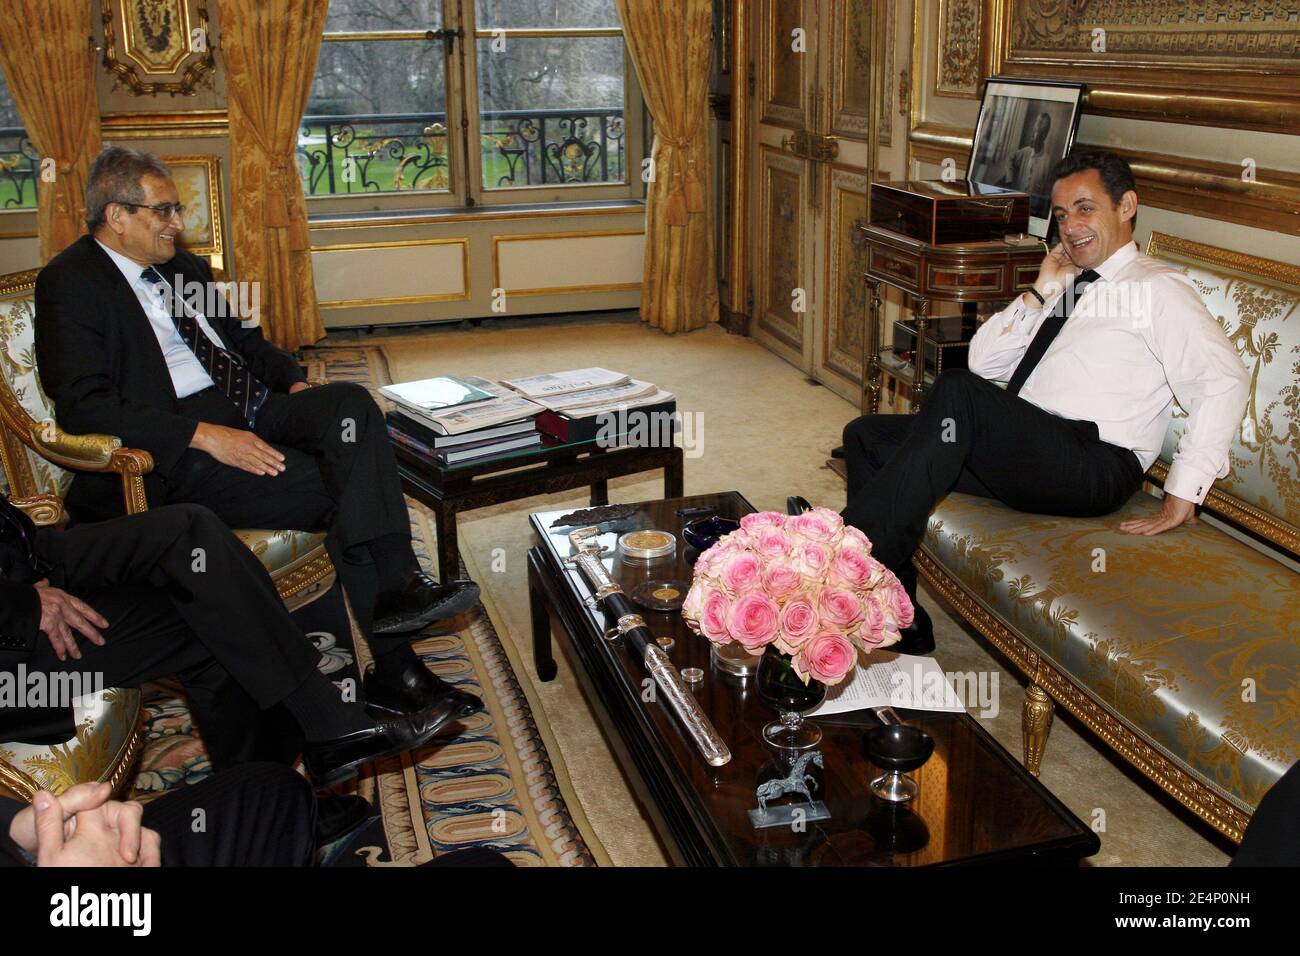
pixel 1035 724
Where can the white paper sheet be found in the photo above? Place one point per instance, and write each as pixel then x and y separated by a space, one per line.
pixel 892 680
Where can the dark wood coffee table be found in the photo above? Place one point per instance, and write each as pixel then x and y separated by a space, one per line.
pixel 448 490
pixel 977 804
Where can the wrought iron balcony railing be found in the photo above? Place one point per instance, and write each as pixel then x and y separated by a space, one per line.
pixel 390 152
pixel 19 166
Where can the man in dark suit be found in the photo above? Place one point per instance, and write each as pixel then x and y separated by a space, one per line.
pixel 124 349
pixel 173 593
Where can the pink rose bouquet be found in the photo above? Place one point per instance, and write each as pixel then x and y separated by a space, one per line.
pixel 807 584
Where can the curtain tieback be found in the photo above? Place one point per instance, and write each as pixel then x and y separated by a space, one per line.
pixel 686 192
pixel 277 214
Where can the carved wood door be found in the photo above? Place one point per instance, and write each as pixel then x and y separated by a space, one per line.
pixel 813 132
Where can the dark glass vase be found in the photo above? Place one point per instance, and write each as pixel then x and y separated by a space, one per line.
pixel 780 686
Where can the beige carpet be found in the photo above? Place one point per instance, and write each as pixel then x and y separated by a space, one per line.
pixel 766 431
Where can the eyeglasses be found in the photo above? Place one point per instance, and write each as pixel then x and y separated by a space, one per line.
pixel 164 210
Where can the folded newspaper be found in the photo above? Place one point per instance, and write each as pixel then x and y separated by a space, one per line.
pixel 575 403
pixel 562 383
pixel 504 406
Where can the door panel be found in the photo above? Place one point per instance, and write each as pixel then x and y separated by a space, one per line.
pixel 783 73
pixel 825 95
pixel 782 262
pixel 846 299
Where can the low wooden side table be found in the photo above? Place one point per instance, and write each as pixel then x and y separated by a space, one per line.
pixel 554 466
pixel 969 273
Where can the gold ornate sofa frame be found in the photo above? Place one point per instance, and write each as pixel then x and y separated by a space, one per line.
pixel 974 548
pixel 37 457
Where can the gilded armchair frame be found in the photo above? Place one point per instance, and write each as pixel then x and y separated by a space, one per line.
pixel 1050 685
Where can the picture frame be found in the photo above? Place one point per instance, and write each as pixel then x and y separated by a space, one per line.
pixel 1025 127
pixel 198 181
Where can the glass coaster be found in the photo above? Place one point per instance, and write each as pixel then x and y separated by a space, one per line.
pixel 660 595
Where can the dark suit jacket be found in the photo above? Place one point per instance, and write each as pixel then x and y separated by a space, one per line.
pixel 101 365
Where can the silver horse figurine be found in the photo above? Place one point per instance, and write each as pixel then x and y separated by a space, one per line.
pixel 797 782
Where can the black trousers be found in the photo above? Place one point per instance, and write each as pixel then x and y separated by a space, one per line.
pixel 340 477
pixel 258 814
pixel 184 598
pixel 974 437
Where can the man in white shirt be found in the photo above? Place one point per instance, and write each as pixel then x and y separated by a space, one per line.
pixel 1094 357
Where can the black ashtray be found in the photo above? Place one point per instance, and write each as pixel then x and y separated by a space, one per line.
pixel 703 533
pixel 898 749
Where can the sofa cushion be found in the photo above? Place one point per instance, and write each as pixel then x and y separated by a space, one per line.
pixel 280 550
pixel 1190 637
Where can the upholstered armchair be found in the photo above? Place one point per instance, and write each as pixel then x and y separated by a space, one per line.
pixel 39 459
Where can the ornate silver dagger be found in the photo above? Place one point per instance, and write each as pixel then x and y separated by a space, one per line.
pixel 611 599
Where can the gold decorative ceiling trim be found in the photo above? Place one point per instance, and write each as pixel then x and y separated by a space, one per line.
pixel 1196 187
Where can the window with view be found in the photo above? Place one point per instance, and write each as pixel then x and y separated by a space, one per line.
pixel 517 94
pixel 19 162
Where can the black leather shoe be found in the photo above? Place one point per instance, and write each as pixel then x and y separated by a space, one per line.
pixel 797 505
pixel 918 637
pixel 338 814
pixel 422 601
pixel 837 451
pixel 416 689
pixel 332 761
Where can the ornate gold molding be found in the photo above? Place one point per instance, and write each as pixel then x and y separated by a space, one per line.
pixel 1203 62
pixel 1196 187
pixel 1216 809
pixel 958 59
pixel 198 71
pixel 171 125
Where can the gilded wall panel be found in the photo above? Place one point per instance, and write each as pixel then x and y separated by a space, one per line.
pixel 957 71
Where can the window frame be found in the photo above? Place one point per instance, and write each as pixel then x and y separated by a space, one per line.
pixel 466 187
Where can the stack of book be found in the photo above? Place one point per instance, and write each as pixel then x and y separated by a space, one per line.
pixel 586 403
pixel 454 420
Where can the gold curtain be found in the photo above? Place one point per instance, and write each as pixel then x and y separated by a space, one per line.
pixel 672 45
pixel 270 49
pixel 49 64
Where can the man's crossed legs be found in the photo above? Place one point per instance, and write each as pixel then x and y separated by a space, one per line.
pixel 974 437
pixel 340 477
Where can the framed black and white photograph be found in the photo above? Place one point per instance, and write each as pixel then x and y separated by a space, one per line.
pixel 1024 128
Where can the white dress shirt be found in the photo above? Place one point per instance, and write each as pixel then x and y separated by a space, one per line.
pixel 188 375
pixel 1136 340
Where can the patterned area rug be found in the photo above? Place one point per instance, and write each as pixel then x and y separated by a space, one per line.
pixel 500 783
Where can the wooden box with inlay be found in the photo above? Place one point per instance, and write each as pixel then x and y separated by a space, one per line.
pixel 939 213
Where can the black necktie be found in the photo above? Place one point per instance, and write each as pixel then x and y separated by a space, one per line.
pixel 225 368
pixel 1050 328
